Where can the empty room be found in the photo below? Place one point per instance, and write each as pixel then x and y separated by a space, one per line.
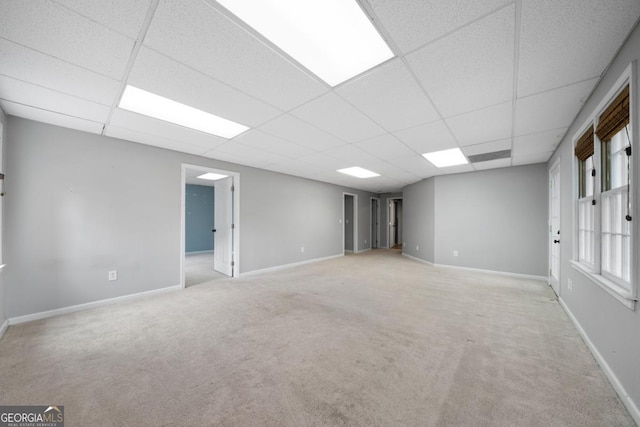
pixel 309 213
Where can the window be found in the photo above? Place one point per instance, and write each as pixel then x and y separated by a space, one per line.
pixel 586 201
pixel 604 203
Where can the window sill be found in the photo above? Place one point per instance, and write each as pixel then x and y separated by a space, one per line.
pixel 610 287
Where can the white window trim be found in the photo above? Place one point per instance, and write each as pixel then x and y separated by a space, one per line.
pixel 593 273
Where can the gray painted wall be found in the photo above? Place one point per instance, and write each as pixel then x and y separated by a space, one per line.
pixel 495 219
pixel 349 204
pixel 83 204
pixel 419 219
pixel 3 162
pixel 612 328
pixel 199 220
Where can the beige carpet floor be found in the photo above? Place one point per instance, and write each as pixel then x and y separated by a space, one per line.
pixel 372 339
pixel 198 268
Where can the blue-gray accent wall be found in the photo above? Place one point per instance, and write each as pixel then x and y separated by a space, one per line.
pixel 199 219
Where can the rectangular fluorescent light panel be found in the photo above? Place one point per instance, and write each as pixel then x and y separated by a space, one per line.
pixel 358 172
pixel 156 106
pixel 445 158
pixel 212 176
pixel 334 39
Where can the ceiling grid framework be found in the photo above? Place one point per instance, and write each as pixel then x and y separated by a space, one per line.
pixel 480 75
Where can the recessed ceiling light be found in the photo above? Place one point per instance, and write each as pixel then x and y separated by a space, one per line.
pixel 445 158
pixel 358 172
pixel 212 176
pixel 334 39
pixel 159 107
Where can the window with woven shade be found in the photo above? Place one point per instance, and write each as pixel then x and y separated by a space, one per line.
pixel 604 205
pixel 586 207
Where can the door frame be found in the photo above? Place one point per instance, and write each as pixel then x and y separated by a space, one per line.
pixel 236 215
pixel 555 168
pixel 388 207
pixel 377 226
pixel 355 222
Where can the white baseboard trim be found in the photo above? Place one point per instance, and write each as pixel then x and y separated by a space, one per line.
pixel 480 270
pixel 4 327
pixel 285 266
pixel 86 306
pixel 363 250
pixel 420 260
pixel 613 379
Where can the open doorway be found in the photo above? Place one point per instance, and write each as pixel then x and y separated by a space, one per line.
pixel 394 231
pixel 375 223
pixel 209 224
pixel 350 222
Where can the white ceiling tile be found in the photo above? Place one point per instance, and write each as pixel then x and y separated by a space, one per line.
pixel 471 68
pixel 390 95
pixel 389 170
pixel 492 164
pixel 185 29
pixel 124 16
pixel 43 70
pixel 385 146
pixel 527 159
pixel 332 114
pixel 551 110
pixel 418 166
pixel 55 30
pixel 487 147
pixel 272 144
pixel 236 152
pixel 300 132
pixel 148 125
pixel 488 124
pixel 542 142
pixel 297 168
pixel 411 24
pixel 563 42
pixel 457 169
pixel 427 138
pixel 353 156
pixel 47 99
pixel 50 117
pixel 153 140
pixel 158 74
pixel 324 161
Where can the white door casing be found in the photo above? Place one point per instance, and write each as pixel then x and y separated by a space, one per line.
pixel 554 228
pixel 223 238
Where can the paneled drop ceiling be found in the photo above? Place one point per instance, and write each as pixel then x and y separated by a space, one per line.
pixel 481 75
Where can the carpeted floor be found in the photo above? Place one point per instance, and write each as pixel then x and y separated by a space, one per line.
pixel 198 268
pixel 369 339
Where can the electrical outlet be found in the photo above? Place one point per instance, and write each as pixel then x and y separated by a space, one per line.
pixel 417 247
pixel 455 253
pixel 302 249
pixel 113 275
pixel 570 285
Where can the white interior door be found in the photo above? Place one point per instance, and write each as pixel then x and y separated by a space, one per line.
pixel 554 229
pixel 223 237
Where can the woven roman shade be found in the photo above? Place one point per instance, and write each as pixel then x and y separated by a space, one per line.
pixel 584 146
pixel 615 117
